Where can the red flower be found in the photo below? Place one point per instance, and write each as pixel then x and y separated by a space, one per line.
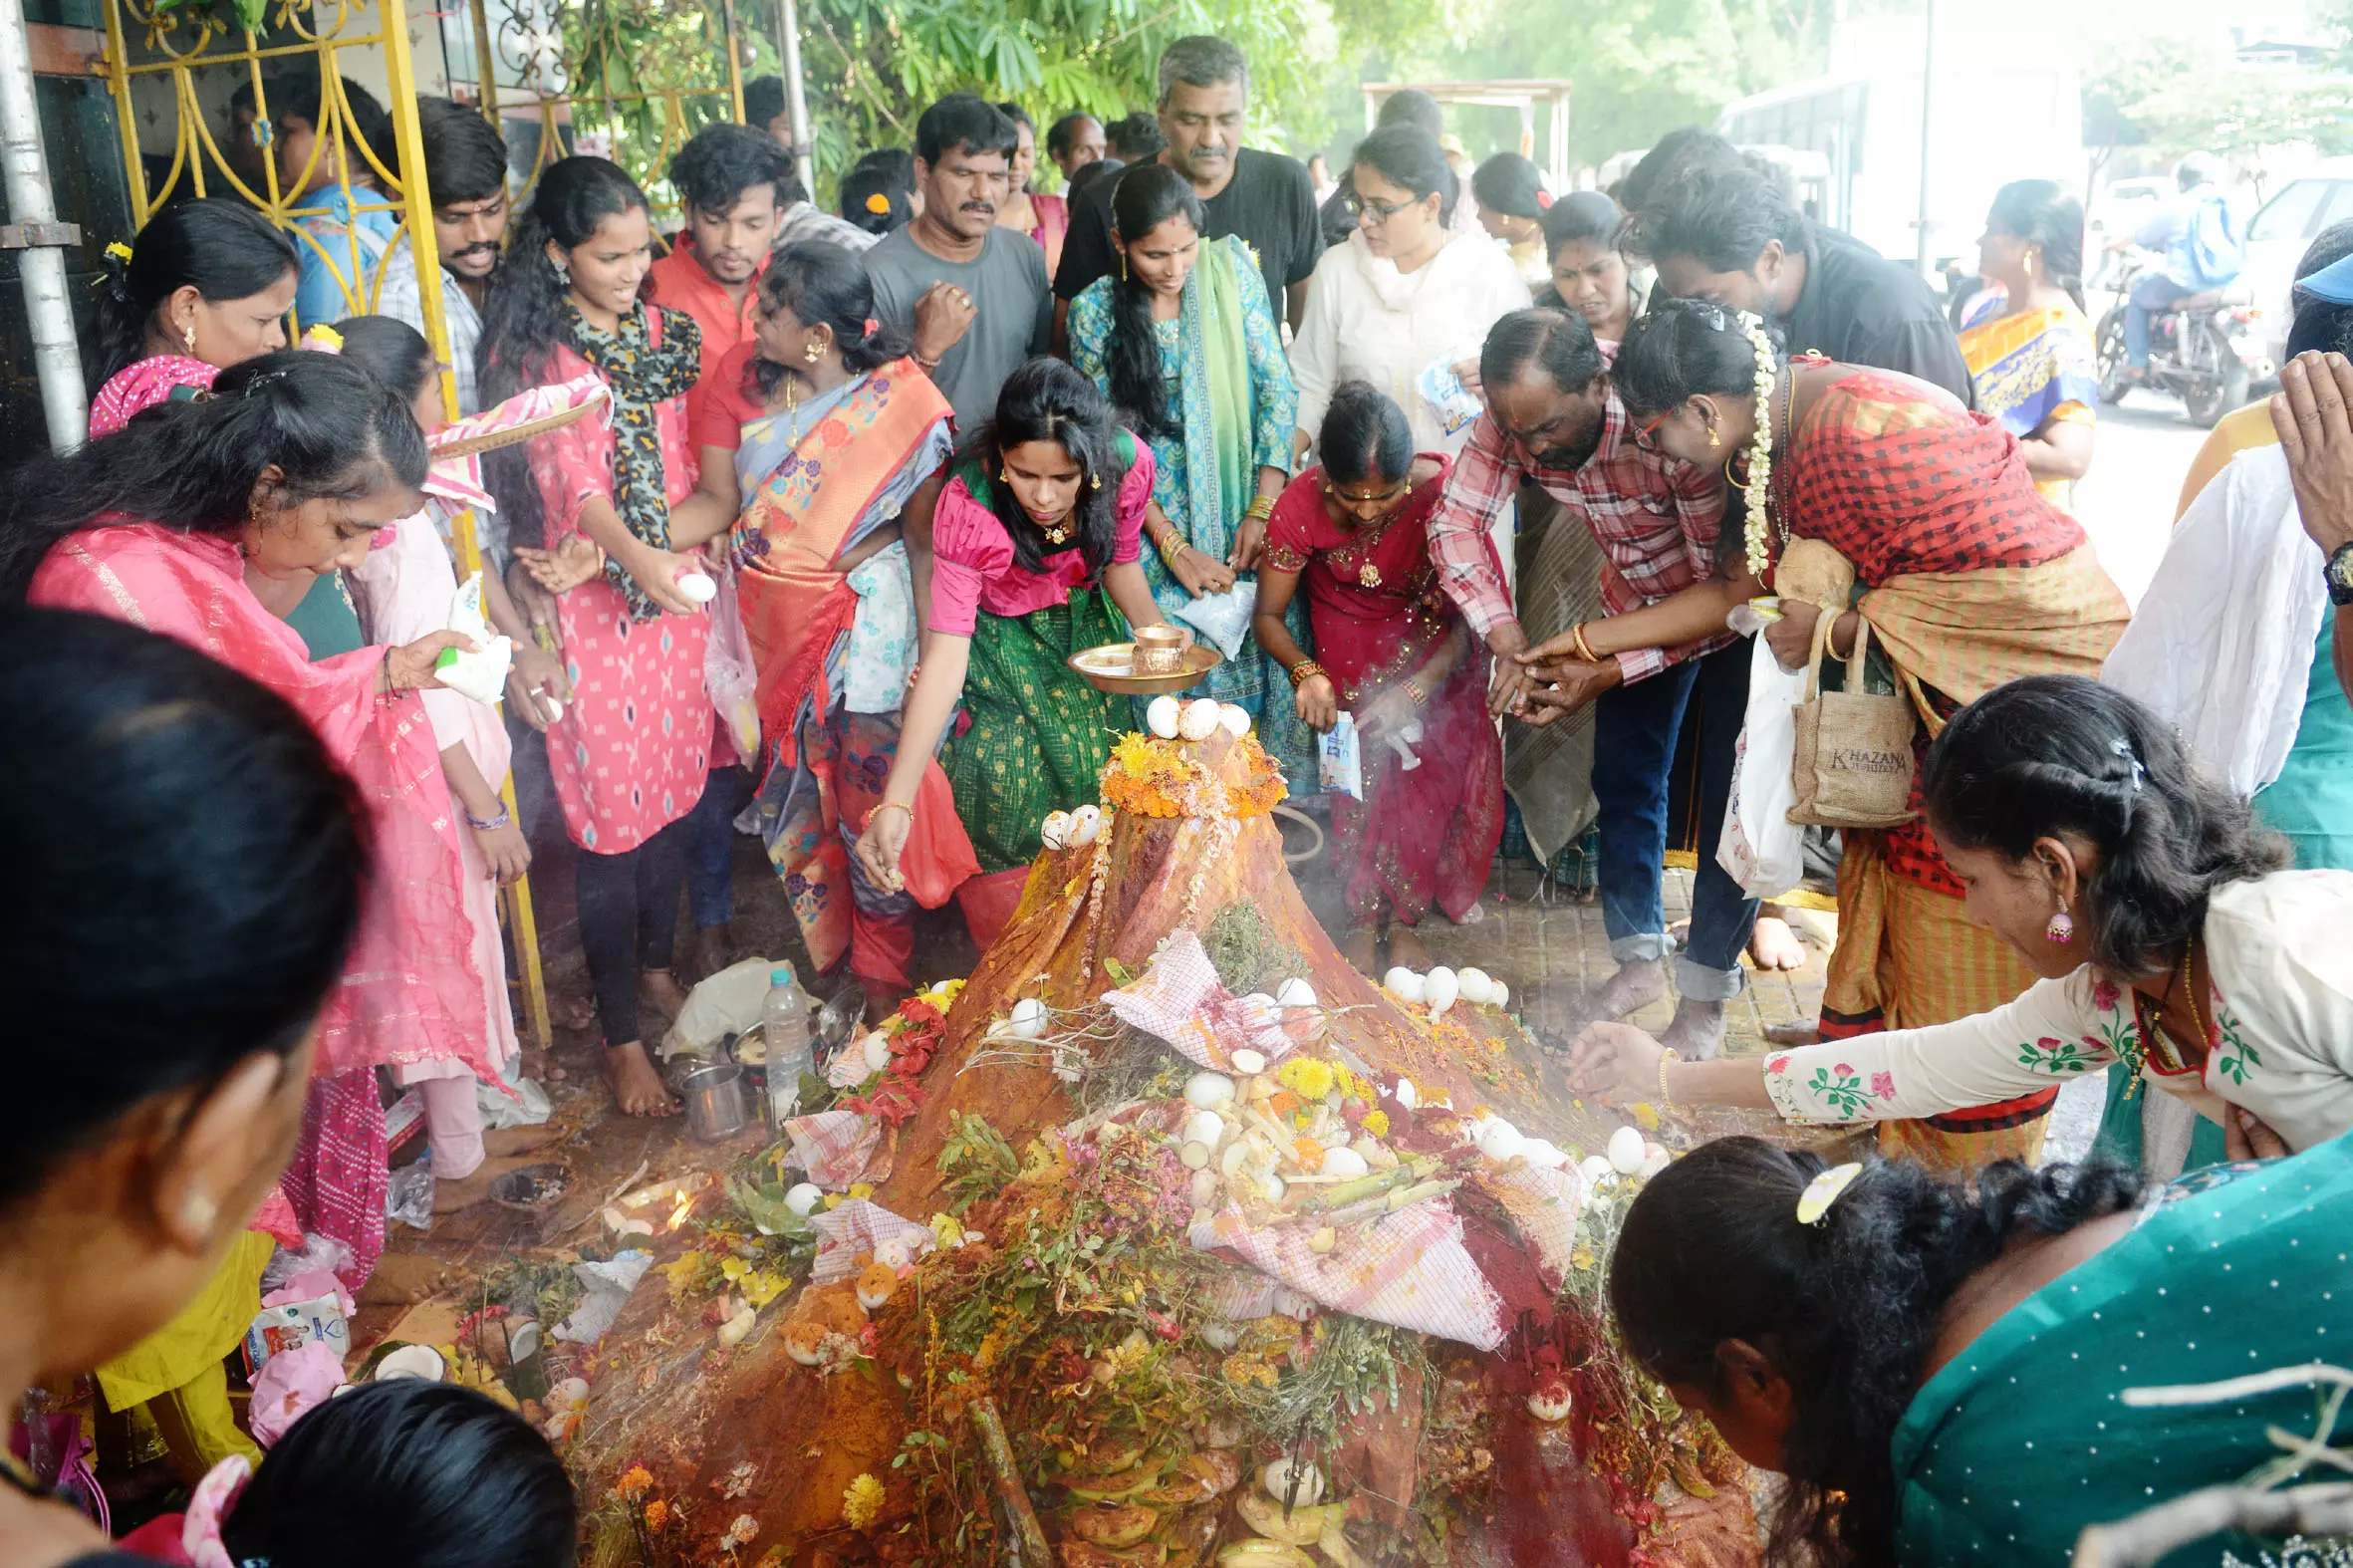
pixel 1884 1084
pixel 1845 1071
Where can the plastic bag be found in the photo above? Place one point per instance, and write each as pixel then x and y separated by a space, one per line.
pixel 482 673
pixel 1338 758
pixel 408 1196
pixel 727 671
pixel 1761 849
pixel 1225 619
pixel 1455 405
pixel 938 857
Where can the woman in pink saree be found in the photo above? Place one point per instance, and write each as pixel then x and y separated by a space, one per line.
pixel 289 466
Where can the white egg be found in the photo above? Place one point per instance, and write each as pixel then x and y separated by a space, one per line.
pixel 697 587
pixel 1236 720
pixel 1294 992
pixel 1277 1479
pixel 1028 1018
pixel 1275 1187
pixel 1499 1141
pixel 1655 1161
pixel 1161 716
pixel 1207 1090
pixel 1200 719
pixel 1204 1127
pixel 1219 1335
pixel 1596 1169
pixel 1626 1151
pixel 1501 998
pixel 1085 824
pixel 1403 983
pixel 1441 989
pixel 802 1198
pixel 1543 1153
pixel 1474 987
pixel 1405 1094
pixel 1054 830
pixel 1344 1164
pixel 877 1052
pixel 1247 1062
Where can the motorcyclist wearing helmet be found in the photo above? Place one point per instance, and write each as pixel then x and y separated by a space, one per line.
pixel 2202 246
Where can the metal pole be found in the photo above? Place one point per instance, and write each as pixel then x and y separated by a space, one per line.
pixel 796 101
pixel 1928 120
pixel 41 265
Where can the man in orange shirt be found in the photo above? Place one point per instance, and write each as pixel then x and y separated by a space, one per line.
pixel 728 178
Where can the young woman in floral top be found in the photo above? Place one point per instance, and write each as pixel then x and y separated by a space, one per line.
pixel 2167 938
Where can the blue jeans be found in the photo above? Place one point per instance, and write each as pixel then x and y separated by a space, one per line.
pixel 2152 294
pixel 711 846
pixel 1634 738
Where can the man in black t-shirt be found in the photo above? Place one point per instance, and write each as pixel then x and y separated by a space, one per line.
pixel 1723 233
pixel 1264 198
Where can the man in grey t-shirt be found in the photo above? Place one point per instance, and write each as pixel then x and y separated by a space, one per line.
pixel 976 295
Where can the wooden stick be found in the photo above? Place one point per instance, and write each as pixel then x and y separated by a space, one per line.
pixel 2150 1535
pixel 1023 1534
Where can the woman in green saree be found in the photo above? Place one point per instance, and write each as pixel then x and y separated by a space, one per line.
pixel 1183 343
pixel 1943 1374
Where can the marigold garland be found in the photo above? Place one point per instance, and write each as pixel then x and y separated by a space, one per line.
pixel 1167 778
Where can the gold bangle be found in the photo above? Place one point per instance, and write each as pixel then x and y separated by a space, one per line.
pixel 1171 545
pixel 1304 672
pixel 888 805
pixel 1261 508
pixel 1584 649
pixel 1667 1059
pixel 1416 695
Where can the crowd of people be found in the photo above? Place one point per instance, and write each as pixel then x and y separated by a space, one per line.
pixel 905 461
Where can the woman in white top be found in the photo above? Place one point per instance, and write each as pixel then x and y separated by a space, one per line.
pixel 1403 293
pixel 2170 942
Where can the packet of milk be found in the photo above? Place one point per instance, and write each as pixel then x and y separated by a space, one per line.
pixel 482 673
pixel 1338 758
pixel 1455 405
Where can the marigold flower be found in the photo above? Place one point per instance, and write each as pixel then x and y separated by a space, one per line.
pixel 634 1482
pixel 1377 1123
pixel 1311 1077
pixel 658 1514
pixel 1309 1153
pixel 861 1501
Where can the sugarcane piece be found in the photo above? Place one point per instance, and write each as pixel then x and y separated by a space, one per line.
pixel 1342 1194
pixel 1016 1518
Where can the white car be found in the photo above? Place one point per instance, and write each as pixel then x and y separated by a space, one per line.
pixel 2278 235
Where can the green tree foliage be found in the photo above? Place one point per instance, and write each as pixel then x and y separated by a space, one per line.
pixel 2176 95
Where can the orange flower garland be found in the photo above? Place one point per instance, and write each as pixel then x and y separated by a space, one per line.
pixel 1149 777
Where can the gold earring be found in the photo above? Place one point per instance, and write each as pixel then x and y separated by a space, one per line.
pixel 1123 266
pixel 1094 481
pixel 1713 438
pixel 187 336
pixel 813 351
pixel 1002 476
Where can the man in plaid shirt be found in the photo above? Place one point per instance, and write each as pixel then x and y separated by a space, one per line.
pixel 1554 420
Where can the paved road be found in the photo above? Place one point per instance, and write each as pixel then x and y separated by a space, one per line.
pixel 2127 500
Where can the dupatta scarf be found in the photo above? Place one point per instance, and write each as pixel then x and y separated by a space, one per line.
pixel 655 357
pixel 1214 397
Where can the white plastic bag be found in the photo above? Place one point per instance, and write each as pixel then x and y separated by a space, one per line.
pixel 1454 405
pixel 482 673
pixel 1761 849
pixel 1225 619
pixel 1338 758
pixel 727 671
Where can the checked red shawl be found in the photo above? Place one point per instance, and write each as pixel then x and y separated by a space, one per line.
pixel 1898 477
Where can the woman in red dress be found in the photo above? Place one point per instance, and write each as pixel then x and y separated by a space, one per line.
pixel 631 755
pixel 1395 655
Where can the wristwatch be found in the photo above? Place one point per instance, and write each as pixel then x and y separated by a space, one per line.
pixel 2339 573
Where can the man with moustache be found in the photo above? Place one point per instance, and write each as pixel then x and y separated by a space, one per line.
pixel 975 294
pixel 1554 420
pixel 730 180
pixel 465 172
pixel 1266 199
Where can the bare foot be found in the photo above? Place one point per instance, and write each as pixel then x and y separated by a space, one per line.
pixel 571 1013
pixel 1792 1034
pixel 1635 986
pixel 505 1141
pixel 543 1066
pixel 709 953
pixel 636 1088
pixel 1362 949
pixel 1773 946
pixel 453 1193
pixel 1406 948
pixel 660 987
pixel 404 1277
pixel 1696 1034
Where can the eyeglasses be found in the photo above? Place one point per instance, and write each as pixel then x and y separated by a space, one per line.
pixel 1380 211
pixel 1645 435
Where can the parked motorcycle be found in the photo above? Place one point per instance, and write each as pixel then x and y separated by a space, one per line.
pixel 2208 350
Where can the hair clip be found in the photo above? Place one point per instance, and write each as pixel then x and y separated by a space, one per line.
pixel 261 380
pixel 1824 1190
pixel 2124 748
pixel 872 326
pixel 120 251
pixel 877 204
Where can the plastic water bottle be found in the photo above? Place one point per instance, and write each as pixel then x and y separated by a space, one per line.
pixel 784 1021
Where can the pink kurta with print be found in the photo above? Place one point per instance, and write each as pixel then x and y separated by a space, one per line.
pixel 632 753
